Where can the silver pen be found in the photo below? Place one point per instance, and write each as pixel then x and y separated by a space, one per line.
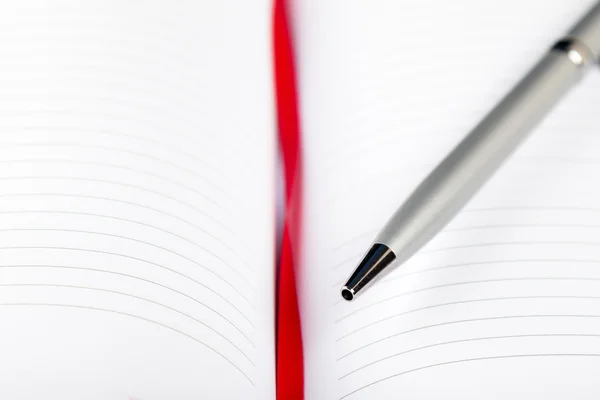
pixel 472 162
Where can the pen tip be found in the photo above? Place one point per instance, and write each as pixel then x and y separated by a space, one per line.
pixel 378 258
pixel 347 294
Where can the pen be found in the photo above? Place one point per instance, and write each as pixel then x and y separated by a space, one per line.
pixel 472 162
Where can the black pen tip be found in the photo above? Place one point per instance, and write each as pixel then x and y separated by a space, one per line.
pixel 378 258
pixel 347 294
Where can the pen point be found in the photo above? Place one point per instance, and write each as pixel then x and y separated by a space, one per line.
pixel 347 294
pixel 378 258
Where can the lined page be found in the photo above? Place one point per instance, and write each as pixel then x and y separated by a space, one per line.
pixel 505 302
pixel 136 200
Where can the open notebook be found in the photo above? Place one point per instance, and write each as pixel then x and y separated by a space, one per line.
pixel 505 302
pixel 137 199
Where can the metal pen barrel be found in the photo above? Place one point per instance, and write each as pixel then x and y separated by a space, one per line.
pixel 472 162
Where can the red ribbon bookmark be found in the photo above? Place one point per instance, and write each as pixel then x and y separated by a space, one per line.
pixel 289 369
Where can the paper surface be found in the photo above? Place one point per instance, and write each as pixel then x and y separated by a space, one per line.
pixel 136 200
pixel 504 303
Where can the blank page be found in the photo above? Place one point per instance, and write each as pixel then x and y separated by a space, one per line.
pixel 505 302
pixel 136 200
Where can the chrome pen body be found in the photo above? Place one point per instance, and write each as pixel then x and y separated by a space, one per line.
pixel 474 160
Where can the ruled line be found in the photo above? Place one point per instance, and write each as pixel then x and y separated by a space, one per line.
pixel 373 232
pixel 239 191
pixel 475 339
pixel 485 244
pixel 398 276
pixel 113 116
pixel 147 244
pixel 378 302
pixel 162 145
pixel 130 186
pixel 463 321
pixel 47 285
pixel 465 361
pixel 486 263
pixel 136 259
pixel 121 274
pixel 129 221
pixel 138 205
pixel 124 168
pixel 452 303
pixel 136 317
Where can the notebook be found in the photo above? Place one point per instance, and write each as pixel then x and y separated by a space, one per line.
pixel 137 203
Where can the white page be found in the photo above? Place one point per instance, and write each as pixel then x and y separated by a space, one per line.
pixel 505 302
pixel 136 200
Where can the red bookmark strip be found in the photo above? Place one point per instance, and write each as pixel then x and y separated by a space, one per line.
pixel 289 369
